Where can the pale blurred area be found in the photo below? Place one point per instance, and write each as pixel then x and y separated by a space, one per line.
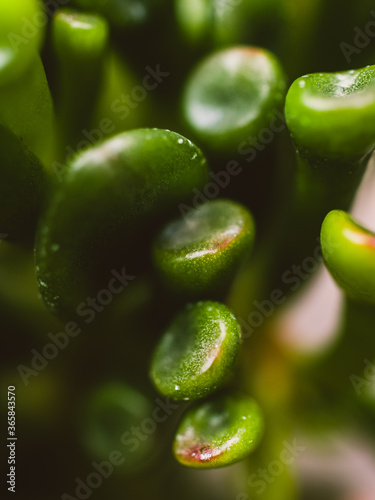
pixel 339 462
pixel 338 466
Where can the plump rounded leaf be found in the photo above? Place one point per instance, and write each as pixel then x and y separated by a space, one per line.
pixel 218 432
pixel 108 191
pixel 200 251
pixel 232 95
pixel 22 182
pixel 197 351
pixel 111 415
pixel 332 115
pixel 349 254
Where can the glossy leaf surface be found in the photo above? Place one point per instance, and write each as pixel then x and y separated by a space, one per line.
pixel 197 351
pixel 200 252
pixel 218 432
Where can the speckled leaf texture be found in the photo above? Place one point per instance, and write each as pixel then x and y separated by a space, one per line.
pixel 197 352
pixel 219 432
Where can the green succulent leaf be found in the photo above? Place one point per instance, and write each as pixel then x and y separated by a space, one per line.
pixel 80 41
pixel 119 80
pixel 218 432
pixel 109 190
pixel 80 34
pixel 331 116
pixel 26 108
pixel 21 35
pixel 349 254
pixel 231 95
pixel 110 413
pixel 200 252
pixel 197 351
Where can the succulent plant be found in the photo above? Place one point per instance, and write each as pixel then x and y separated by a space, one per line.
pixel 196 352
pixel 348 250
pixel 187 246
pixel 125 179
pixel 232 95
pixel 218 432
pixel 200 252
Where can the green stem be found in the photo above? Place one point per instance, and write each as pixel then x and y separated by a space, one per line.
pixel 330 117
pixel 80 42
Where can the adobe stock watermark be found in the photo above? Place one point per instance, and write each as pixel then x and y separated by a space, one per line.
pixel 249 148
pixel 293 278
pixel 131 440
pixel 87 309
pixel 362 39
pixel 366 381
pixel 30 27
pixel 121 106
pixel 264 477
